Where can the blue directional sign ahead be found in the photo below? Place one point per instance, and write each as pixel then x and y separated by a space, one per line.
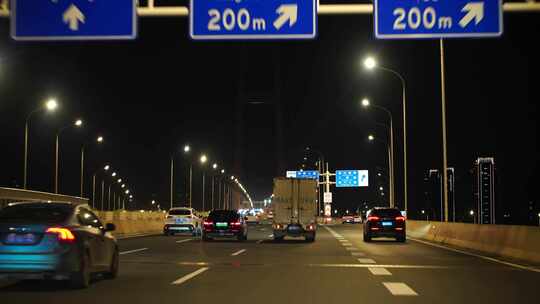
pixel 73 19
pixel 253 19
pixel 307 174
pixel 352 178
pixel 396 19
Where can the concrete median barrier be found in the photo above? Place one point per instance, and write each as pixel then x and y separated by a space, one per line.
pixel 516 242
pixel 133 222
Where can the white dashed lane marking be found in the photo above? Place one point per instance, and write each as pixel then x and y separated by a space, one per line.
pixel 183 241
pixel 379 271
pixel 133 251
pixel 358 253
pixel 366 261
pixel 189 276
pixel 399 289
pixel 238 252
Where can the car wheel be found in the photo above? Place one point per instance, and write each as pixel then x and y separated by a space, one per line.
pixel 401 239
pixel 113 272
pixel 81 278
pixel 367 238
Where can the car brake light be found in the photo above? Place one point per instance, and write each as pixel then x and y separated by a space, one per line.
pixel 63 234
pixel 373 218
pixel 310 227
pixel 235 224
pixel 374 228
pixel 205 223
pixel 399 229
pixel 400 218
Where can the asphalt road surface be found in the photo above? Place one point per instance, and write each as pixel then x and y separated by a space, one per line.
pixel 339 267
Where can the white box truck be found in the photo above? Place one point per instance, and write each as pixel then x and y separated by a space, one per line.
pixel 295 208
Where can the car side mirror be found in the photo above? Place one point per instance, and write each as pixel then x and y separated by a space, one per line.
pixel 110 227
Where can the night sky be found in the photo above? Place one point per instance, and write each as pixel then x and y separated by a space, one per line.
pixel 151 96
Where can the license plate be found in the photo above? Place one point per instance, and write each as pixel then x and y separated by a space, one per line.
pixel 20 239
pixel 294 228
pixel 181 220
pixel 222 225
pixel 387 224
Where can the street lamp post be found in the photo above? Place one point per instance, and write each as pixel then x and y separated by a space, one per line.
pixel 99 140
pixel 214 166
pixel 390 167
pixel 371 64
pixel 203 160
pixel 105 168
pixel 78 123
pixel 473 216
pixel 51 105
pixel 366 103
pixel 172 181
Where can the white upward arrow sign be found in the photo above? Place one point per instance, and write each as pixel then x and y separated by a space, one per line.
pixel 475 10
pixel 287 12
pixel 72 17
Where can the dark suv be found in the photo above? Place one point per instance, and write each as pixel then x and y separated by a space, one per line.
pixel 60 241
pixel 385 222
pixel 225 223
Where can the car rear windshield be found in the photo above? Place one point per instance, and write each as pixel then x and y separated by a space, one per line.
pixel 180 212
pixel 223 216
pixel 386 212
pixel 36 213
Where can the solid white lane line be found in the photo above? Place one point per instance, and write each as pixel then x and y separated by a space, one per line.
pixel 133 251
pixel 478 256
pixel 346 244
pixel 183 241
pixel 381 266
pixel 379 271
pixel 238 252
pixel 366 261
pixel 189 276
pixel 343 241
pixel 399 289
pixel 358 254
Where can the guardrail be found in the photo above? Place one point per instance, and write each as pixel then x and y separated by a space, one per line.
pixel 9 195
pixel 515 242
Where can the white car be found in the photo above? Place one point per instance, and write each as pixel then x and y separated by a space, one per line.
pixel 182 220
pixel 252 219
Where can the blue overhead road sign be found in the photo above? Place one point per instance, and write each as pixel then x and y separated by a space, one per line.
pixel 352 178
pixel 73 19
pixel 253 19
pixel 307 174
pixel 395 19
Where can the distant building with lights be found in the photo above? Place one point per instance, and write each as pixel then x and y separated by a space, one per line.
pixel 434 192
pixel 484 180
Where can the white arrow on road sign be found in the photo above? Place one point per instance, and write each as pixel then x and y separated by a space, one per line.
pixel 73 16
pixel 475 10
pixel 287 12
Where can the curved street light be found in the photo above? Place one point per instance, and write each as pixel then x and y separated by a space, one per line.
pixel 50 106
pixel 77 124
pixel 370 63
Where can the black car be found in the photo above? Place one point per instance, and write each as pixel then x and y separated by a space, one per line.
pixel 385 222
pixel 225 223
pixel 60 241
